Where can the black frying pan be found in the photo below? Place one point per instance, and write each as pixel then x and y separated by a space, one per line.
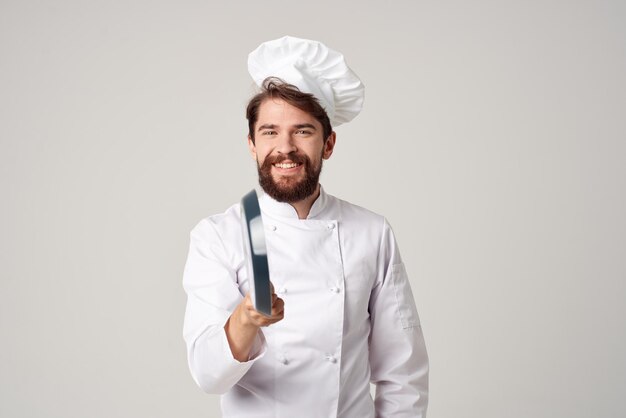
pixel 256 253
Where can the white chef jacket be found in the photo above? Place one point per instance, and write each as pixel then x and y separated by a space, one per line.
pixel 350 317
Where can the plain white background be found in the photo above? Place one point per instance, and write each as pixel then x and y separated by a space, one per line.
pixel 492 138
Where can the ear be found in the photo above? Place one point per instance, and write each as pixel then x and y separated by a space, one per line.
pixel 329 145
pixel 252 148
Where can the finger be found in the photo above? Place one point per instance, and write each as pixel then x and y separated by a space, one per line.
pixel 267 321
pixel 278 307
pixel 275 316
pixel 271 320
pixel 260 318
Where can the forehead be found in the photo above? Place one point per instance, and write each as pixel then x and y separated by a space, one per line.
pixel 278 112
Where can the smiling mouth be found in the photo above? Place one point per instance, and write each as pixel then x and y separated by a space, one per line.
pixel 286 165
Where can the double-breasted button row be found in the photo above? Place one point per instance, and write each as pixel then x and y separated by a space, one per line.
pixel 283 290
pixel 328 357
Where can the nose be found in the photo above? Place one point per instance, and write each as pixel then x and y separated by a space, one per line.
pixel 285 143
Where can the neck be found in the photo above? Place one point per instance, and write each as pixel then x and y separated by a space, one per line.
pixel 303 207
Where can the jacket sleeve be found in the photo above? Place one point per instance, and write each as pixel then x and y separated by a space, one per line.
pixel 398 358
pixel 210 282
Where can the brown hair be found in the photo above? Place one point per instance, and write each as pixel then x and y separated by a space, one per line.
pixel 275 88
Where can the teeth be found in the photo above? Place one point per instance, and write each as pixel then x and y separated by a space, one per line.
pixel 292 165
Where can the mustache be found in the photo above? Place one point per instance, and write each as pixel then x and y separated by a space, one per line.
pixel 292 156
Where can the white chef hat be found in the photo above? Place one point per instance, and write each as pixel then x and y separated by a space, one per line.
pixel 313 68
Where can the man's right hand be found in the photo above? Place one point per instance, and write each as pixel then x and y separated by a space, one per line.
pixel 244 323
pixel 250 316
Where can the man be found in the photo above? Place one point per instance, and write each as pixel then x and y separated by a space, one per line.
pixel 343 314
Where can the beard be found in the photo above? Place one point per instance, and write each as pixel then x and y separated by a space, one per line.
pixel 285 188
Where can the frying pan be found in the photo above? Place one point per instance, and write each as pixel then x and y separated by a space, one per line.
pixel 256 253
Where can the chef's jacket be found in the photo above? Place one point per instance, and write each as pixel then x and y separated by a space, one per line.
pixel 350 318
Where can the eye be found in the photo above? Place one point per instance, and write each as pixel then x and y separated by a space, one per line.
pixel 303 132
pixel 268 133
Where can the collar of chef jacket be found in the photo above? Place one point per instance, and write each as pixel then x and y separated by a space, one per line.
pixel 283 209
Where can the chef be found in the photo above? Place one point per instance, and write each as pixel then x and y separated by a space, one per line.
pixel 343 315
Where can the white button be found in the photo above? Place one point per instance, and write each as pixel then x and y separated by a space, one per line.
pixel 331 226
pixel 281 291
pixel 283 360
pixel 332 359
pixel 272 227
pixel 335 289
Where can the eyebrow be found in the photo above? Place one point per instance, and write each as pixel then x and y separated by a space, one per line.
pixel 297 126
pixel 266 126
pixel 304 125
